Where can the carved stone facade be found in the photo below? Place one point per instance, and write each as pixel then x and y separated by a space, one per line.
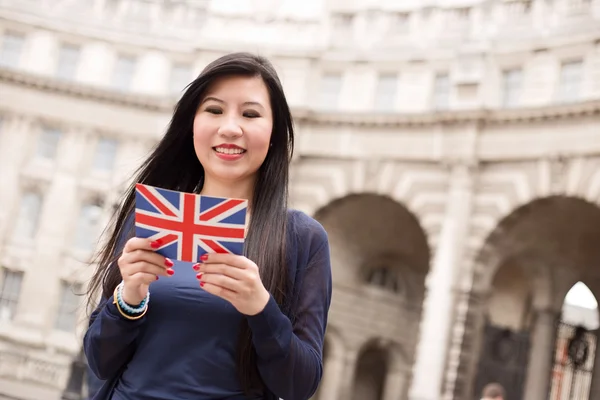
pixel 452 152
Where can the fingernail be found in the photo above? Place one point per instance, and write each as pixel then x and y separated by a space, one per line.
pixel 156 277
pixel 168 262
pixel 201 284
pixel 204 257
pixel 170 271
pixel 196 267
pixel 199 276
pixel 156 244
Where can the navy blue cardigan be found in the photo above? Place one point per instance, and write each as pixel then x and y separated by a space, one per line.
pixel 185 346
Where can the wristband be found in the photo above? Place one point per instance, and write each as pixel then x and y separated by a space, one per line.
pixel 127 310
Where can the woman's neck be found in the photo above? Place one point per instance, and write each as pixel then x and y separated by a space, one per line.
pixel 237 190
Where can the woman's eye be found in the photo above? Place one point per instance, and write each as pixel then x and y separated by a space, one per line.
pixel 214 111
pixel 251 114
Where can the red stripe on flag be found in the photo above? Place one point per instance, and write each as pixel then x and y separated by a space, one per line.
pixel 159 223
pixel 214 246
pixel 154 201
pixel 187 226
pixel 167 240
pixel 219 209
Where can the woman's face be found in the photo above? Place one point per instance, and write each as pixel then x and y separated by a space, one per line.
pixel 232 130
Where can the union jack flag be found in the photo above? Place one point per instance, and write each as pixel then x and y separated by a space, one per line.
pixel 189 225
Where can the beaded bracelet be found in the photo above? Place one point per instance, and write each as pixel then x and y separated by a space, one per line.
pixel 125 309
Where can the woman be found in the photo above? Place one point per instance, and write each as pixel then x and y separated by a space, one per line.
pixel 228 327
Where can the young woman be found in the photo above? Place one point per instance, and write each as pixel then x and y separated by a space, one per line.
pixel 228 327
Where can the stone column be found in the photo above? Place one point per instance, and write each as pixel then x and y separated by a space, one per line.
pixel 346 385
pixel 14 143
pixel 333 372
pixel 395 384
pixel 595 387
pixel 429 368
pixel 539 367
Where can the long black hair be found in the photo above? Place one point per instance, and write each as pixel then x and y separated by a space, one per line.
pixel 173 164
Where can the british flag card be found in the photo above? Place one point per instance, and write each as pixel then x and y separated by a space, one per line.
pixel 187 225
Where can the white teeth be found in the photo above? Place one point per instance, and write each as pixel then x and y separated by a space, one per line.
pixel 229 151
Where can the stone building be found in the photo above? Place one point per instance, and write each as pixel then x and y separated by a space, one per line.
pixel 450 148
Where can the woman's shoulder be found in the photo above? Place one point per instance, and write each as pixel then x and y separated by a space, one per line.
pixel 308 231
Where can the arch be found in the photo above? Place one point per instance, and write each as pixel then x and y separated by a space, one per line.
pixel 368 233
pixel 368 212
pixel 561 220
pixel 553 240
pixel 371 370
pixel 319 182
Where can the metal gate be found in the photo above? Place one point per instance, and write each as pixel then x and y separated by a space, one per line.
pixel 503 360
pixel 573 363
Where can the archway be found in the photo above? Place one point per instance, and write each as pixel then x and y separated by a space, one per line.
pixel 371 371
pixel 508 317
pixel 380 257
pixel 576 345
pixel 526 267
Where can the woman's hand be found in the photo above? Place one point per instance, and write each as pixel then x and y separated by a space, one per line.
pixel 140 266
pixel 235 279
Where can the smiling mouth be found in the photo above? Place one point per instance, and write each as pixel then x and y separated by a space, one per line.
pixel 225 150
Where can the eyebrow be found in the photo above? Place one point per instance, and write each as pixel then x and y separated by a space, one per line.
pixel 247 103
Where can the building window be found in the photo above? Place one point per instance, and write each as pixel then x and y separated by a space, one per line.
pixel 12 47
pixel 28 216
pixel 106 152
pixel 458 18
pixel 385 278
pixel 517 8
pixel 399 23
pixel 66 317
pixel 385 94
pixel 569 86
pixel 10 290
pixel 86 232
pixel 123 72
pixel 48 143
pixel 512 84
pixel 342 21
pixel 68 59
pixel 331 86
pixel 441 92
pixel 180 78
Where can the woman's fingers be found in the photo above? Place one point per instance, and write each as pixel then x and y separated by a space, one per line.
pixel 138 249
pixel 143 278
pixel 223 269
pixel 147 256
pixel 136 243
pixel 220 280
pixel 144 267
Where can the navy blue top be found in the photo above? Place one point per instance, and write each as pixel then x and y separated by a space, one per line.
pixel 185 346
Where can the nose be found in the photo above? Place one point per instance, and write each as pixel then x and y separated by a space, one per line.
pixel 230 128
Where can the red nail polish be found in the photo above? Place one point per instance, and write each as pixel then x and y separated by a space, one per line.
pixel 168 262
pixel 204 257
pixel 170 271
pixel 156 277
pixel 196 267
pixel 156 244
pixel 201 284
pixel 199 276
